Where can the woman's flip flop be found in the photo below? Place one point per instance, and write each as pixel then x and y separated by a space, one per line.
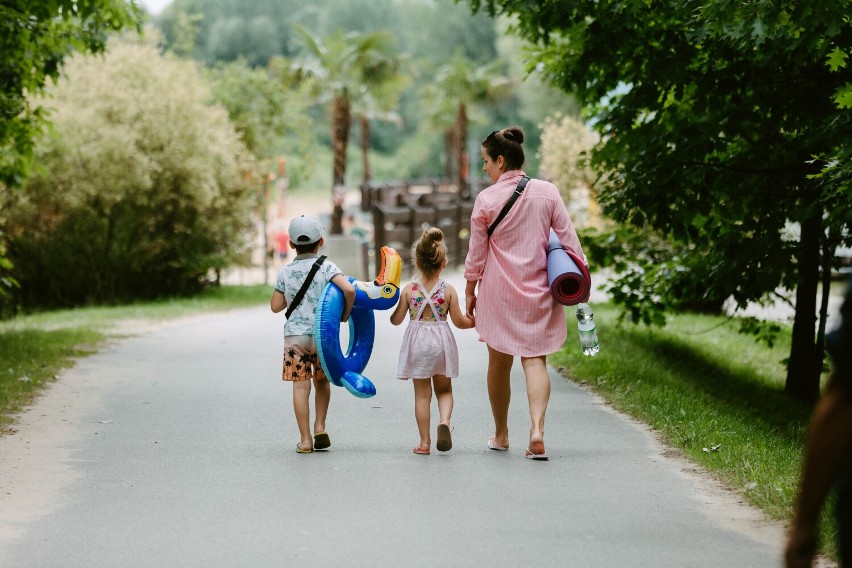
pixel 532 454
pixel 299 449
pixel 495 446
pixel 420 451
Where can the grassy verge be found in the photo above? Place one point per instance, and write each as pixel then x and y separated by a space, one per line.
pixel 35 348
pixel 709 391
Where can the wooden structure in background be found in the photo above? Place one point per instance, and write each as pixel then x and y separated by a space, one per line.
pixel 403 210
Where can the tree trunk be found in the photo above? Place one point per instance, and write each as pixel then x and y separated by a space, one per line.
pixel 461 144
pixel 827 256
pixel 802 371
pixel 365 149
pixel 341 121
pixel 449 145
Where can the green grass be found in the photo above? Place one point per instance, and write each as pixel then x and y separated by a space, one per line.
pixel 35 348
pixel 709 391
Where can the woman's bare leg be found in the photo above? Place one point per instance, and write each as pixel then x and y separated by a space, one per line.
pixel 500 393
pixel 538 394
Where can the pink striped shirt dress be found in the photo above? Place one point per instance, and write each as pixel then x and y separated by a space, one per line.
pixel 515 311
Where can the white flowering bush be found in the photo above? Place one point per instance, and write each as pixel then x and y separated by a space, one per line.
pixel 565 142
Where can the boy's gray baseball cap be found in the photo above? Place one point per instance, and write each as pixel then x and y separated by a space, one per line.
pixel 305 230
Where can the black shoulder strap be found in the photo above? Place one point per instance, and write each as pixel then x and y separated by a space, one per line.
pixel 301 293
pixel 514 197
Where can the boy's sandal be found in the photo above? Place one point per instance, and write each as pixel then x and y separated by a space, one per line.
pixel 322 441
pixel 299 449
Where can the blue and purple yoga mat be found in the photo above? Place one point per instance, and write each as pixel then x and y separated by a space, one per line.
pixel 570 283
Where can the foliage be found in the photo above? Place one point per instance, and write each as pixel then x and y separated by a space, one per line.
pixel 140 189
pixel 35 39
pixel 565 143
pixel 459 87
pixel 428 34
pixel 349 69
pixel 710 117
pixel 263 108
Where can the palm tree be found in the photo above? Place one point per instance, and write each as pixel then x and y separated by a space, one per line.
pixel 379 103
pixel 346 68
pixel 460 84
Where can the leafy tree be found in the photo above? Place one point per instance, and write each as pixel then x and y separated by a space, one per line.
pixel 35 39
pixel 459 84
pixel 262 107
pixel 141 187
pixel 379 105
pixel 346 68
pixel 711 117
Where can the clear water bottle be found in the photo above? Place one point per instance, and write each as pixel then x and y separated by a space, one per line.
pixel 586 328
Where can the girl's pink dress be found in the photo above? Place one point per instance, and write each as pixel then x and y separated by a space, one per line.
pixel 515 311
pixel 428 347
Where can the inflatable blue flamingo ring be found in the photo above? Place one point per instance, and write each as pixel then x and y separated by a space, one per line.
pixel 344 369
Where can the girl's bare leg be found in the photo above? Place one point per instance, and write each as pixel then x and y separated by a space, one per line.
pixel 538 394
pixel 499 393
pixel 444 394
pixel 423 409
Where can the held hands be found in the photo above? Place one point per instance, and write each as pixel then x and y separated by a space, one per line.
pixel 470 305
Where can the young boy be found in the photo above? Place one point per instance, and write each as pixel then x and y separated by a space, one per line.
pixel 301 364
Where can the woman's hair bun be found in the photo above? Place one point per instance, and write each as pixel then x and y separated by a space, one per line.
pixel 514 133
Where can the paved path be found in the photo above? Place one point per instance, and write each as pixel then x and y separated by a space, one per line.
pixel 176 448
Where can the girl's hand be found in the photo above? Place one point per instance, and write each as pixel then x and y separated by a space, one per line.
pixel 398 315
pixel 460 320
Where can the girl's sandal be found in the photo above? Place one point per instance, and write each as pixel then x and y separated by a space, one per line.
pixel 445 440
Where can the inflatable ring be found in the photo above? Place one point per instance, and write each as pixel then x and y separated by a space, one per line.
pixel 344 369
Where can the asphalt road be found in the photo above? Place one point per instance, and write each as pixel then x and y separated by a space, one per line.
pixel 176 447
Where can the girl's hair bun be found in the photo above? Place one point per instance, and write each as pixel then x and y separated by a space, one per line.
pixel 433 234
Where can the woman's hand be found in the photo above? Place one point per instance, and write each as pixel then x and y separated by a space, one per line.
pixel 470 298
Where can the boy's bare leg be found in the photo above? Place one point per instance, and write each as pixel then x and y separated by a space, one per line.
pixel 302 409
pixel 538 395
pixel 500 393
pixel 322 397
pixel 423 409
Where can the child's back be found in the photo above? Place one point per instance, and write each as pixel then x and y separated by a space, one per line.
pixel 299 285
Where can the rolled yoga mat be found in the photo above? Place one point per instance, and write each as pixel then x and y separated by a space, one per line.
pixel 570 283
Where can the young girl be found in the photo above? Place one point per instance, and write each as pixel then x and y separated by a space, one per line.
pixel 429 355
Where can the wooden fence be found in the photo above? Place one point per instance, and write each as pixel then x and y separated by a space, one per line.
pixel 403 210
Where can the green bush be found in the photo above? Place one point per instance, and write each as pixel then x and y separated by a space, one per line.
pixel 141 187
